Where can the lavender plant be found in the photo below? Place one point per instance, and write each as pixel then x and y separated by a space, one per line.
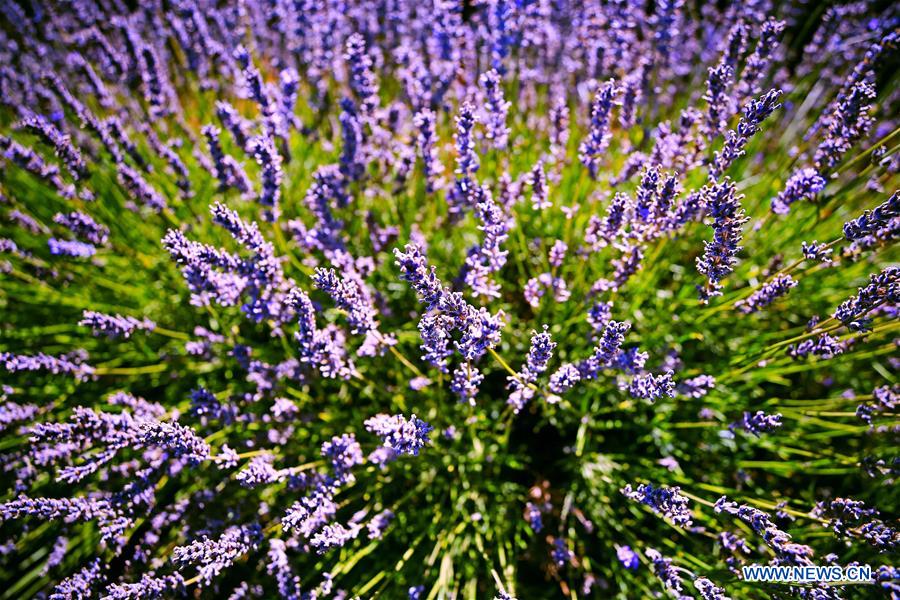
pixel 443 300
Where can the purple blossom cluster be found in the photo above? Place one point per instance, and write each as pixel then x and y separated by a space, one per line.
pixel 666 502
pixel 770 291
pixel 522 384
pixel 759 422
pixel 720 255
pixel 404 436
pixel 114 326
pixel 592 145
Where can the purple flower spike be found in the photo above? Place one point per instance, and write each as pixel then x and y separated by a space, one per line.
pixel 593 147
pixel 767 294
pixel 664 501
pixel 719 256
pixel 802 185
pixel 401 435
pixel 84 227
pixel 883 287
pixel 363 81
pixel 759 422
pixel 114 326
pixel 72 248
pixel 266 155
pixel 628 558
pixel 849 124
pixel 182 441
pixel 211 557
pixel 427 140
pixel 881 222
pixel 496 108
pixel 736 140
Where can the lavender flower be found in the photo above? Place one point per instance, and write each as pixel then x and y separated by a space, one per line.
pixel 259 471
pixel 708 590
pixel 379 523
pixel 533 516
pixel 263 149
pixel 850 123
pixel 696 387
pixel 759 60
pixel 759 422
pixel 652 387
pixel 767 294
pixel 70 248
pixel 139 189
pixel 227 170
pixel 427 139
pixel 804 184
pixel 871 223
pixel 599 315
pixel 603 232
pixel 65 364
pixel 564 378
pixel 628 558
pixel 786 550
pixel 178 439
pixel 539 355
pixel 344 453
pixel 401 435
pixel 112 524
pixel 561 553
pixel 610 343
pixel 28 159
pixel 348 296
pixel 816 252
pixel 883 287
pixel 558 253
pixel 664 501
pixel 415 592
pixel 559 135
pixel 353 165
pixel 886 400
pixel 537 179
pixel 598 137
pixel 824 346
pixel 10 412
pixel 718 101
pixel 311 513
pixel 233 122
pixel 481 330
pixel 211 557
pixel 258 91
pixel 736 140
pixel 148 587
pixel 114 326
pixel 633 88
pixel 81 584
pixel 465 381
pixel 333 535
pixel 279 565
pixel 496 108
pixel 488 257
pixel 62 143
pixel 27 222
pixel 666 573
pixel 363 81
pixel 718 258
pixel 84 227
pixel 466 160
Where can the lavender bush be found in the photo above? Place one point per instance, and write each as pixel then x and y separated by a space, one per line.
pixel 315 299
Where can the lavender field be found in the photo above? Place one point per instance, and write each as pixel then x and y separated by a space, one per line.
pixel 436 300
